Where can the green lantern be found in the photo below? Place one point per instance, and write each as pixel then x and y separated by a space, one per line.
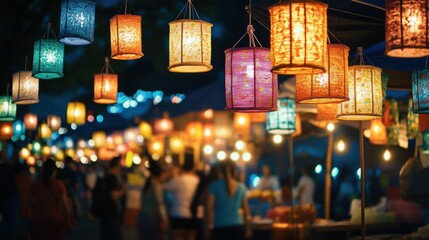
pixel 48 58
pixel 7 109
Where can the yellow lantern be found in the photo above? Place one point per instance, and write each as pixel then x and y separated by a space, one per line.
pixel 54 122
pixel 378 134
pixel 76 113
pixel 145 129
pixel 24 153
pixel 99 139
pixel 126 37
pixel 6 130
pixel 46 151
pixel 156 145
pixel 105 85
pixel 194 131
pixel 117 138
pixel 30 121
pixel 208 132
pixel 298 37
pixel 130 135
pixel 177 144
pixel 44 131
pixel 163 125
pixel 190 44
pixel 241 123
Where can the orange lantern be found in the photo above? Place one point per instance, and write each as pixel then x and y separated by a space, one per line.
pixel 163 125
pixel 24 153
pixel 194 131
pixel 126 37
pixel 145 129
pixel 208 132
pixel 177 143
pixel 327 112
pixel 99 139
pixel 378 134
pixel 156 145
pixel 54 122
pixel 44 131
pixel 6 130
pixel 105 85
pixel 241 123
pixel 259 117
pixel 76 113
pixel 30 121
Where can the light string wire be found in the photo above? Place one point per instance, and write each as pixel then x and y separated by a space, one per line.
pixel 250 30
pixel 49 29
pixel 127 6
pixel 190 9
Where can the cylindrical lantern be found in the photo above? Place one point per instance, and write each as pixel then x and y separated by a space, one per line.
pixel 24 153
pixel 99 139
pixel 177 144
pixel 194 131
pixel 76 113
pixel 46 151
pixel 163 125
pixel 25 88
pixel 18 128
pixel 105 85
pixel 282 121
pixel 420 91
pixel 378 134
pixel 328 87
pixel 298 37
pixel 44 131
pixel 393 128
pixel 7 109
pixel 249 84
pixel 48 59
pixel 77 22
pixel 241 123
pixel 126 37
pixel 6 130
pixel 145 129
pixel 54 122
pixel 412 121
pixel 327 112
pixel 407 33
pixel 30 121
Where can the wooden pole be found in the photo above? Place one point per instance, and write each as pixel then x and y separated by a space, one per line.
pixel 291 163
pixel 328 176
pixel 362 180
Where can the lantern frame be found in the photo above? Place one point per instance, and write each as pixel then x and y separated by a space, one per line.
pixel 275 124
pixel 105 85
pixel 75 28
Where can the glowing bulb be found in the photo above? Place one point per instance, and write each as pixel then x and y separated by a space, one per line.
pixel 235 156
pixel 277 139
pixel 341 146
pixel 239 145
pixel 386 155
pixel 247 156
pixel 241 120
pixel 221 155
pixel 330 127
pixel 318 169
pixel 208 149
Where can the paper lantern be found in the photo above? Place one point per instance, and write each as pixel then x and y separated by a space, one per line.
pixel 407 34
pixel 241 123
pixel 208 132
pixel 393 127
pixel 30 121
pixel 163 125
pixel 282 121
pixel 24 153
pixel 77 22
pixel 6 130
pixel 25 88
pixel 327 112
pixel 105 85
pixel 249 84
pixel 48 58
pixel 412 121
pixel 298 37
pixel 18 128
pixel 177 143
pixel 99 139
pixel 156 145
pixel 130 135
pixel 259 117
pixel 145 129
pixel 378 135
pixel 76 113
pixel 46 151
pixel 194 132
pixel 44 131
pixel 54 122
pixel 420 91
pixel 425 140
pixel 7 109
pixel 126 37
pixel 329 87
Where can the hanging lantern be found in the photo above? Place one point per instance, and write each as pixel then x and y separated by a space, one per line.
pixel 117 138
pixel 282 121
pixel 145 129
pixel 177 143
pixel 328 87
pixel 36 147
pixel 241 123
pixel 99 139
pixel 25 88
pixel 77 22
pixel 30 121
pixel 126 36
pixel 393 127
pixel 420 91
pixel 46 151
pixel 54 122
pixel 412 121
pixel 18 128
pixel 48 58
pixel 130 135
pixel 24 153
pixel 327 112
pixel 6 130
pixel 105 85
pixel 259 117
pixel 194 131
pixel 208 132
pixel 190 44
pixel 407 34
pixel 76 113
pixel 378 134
pixel 156 145
pixel 298 37
pixel 365 93
pixel 425 144
pixel 163 125
pixel 7 109
pixel 44 131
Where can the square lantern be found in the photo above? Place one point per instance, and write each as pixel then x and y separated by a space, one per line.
pixel 77 22
pixel 7 109
pixel 328 87
pixel 420 91
pixel 126 37
pixel 407 34
pixel 6 130
pixel 25 88
pixel 282 121
pixel 298 37
pixel 76 113
pixel 54 122
pixel 249 84
pixel 105 85
pixel 48 59
pixel 30 121
pixel 327 112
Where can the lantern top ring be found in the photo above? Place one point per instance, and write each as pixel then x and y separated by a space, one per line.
pixel 190 20
pixel 357 116
pixel 313 2
pixel 245 48
pixel 298 69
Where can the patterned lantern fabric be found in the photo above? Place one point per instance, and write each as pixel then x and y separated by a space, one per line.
pixel 105 88
pixel 25 88
pixel 393 129
pixel 407 27
pixel 190 46
pixel 412 121
pixel 48 59
pixel 77 22
pixel 298 37
pixel 282 121
pixel 76 113
pixel 327 112
pixel 420 82
pixel 365 93
pixel 249 84
pixel 126 37
pixel 329 87
pixel 7 109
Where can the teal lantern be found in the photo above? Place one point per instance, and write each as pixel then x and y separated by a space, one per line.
pixel 282 121
pixel 18 128
pixel 7 109
pixel 425 142
pixel 420 81
pixel 77 22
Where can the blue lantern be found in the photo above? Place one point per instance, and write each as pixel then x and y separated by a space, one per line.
pixel 425 139
pixel 282 121
pixel 420 81
pixel 18 128
pixel 7 109
pixel 77 22
pixel 48 58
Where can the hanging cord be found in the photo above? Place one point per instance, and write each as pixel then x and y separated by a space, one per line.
pixel 25 63
pixel 426 64
pixel 106 66
pixel 127 6
pixel 49 29
pixel 250 30
pixel 190 10
pixel 329 32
